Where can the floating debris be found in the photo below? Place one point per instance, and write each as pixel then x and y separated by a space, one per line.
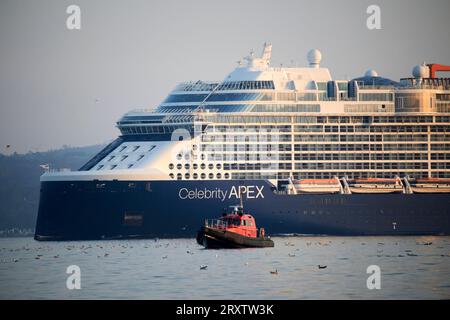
pixel 164 257
pixel 203 267
pixel 291 254
pixel 321 266
pixel 274 272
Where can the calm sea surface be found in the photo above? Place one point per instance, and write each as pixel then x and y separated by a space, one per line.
pixel 411 268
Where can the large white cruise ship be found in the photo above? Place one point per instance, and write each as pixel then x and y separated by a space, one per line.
pixel 308 153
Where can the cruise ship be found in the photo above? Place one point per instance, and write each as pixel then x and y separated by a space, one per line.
pixel 308 154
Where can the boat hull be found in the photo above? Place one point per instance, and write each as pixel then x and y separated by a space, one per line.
pixel 218 239
pixel 78 210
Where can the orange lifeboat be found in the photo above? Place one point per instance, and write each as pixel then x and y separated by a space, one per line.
pixel 317 186
pixel 375 185
pixel 430 185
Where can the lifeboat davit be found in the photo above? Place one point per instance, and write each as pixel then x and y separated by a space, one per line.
pixel 233 230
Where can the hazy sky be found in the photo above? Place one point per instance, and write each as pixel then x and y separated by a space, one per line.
pixel 70 87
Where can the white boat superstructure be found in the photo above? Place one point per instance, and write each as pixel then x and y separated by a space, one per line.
pixel 272 123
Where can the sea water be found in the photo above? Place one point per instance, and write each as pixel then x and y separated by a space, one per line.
pixel 409 268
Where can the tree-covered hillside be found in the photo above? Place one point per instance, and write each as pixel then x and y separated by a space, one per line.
pixel 19 181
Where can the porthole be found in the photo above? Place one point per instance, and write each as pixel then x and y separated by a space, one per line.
pixel 195 176
pixel 187 166
pixel 195 166
pixel 179 166
pixel 187 176
pixel 171 176
pixel 203 166
pixel 211 176
pixel 179 176
pixel 186 156
pixel 227 175
pixel 219 176
pixel 210 166
pixel 194 147
pixel 219 166
pixel 203 176
pixel 202 156
pixel 171 166
pixel 179 156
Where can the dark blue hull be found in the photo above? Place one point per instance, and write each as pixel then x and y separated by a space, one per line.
pixel 81 210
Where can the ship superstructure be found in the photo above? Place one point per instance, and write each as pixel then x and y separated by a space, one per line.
pixel 292 129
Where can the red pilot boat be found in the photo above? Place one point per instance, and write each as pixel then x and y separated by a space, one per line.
pixel 233 230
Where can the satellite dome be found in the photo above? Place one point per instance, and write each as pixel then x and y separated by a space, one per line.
pixel 314 58
pixel 371 73
pixel 420 71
